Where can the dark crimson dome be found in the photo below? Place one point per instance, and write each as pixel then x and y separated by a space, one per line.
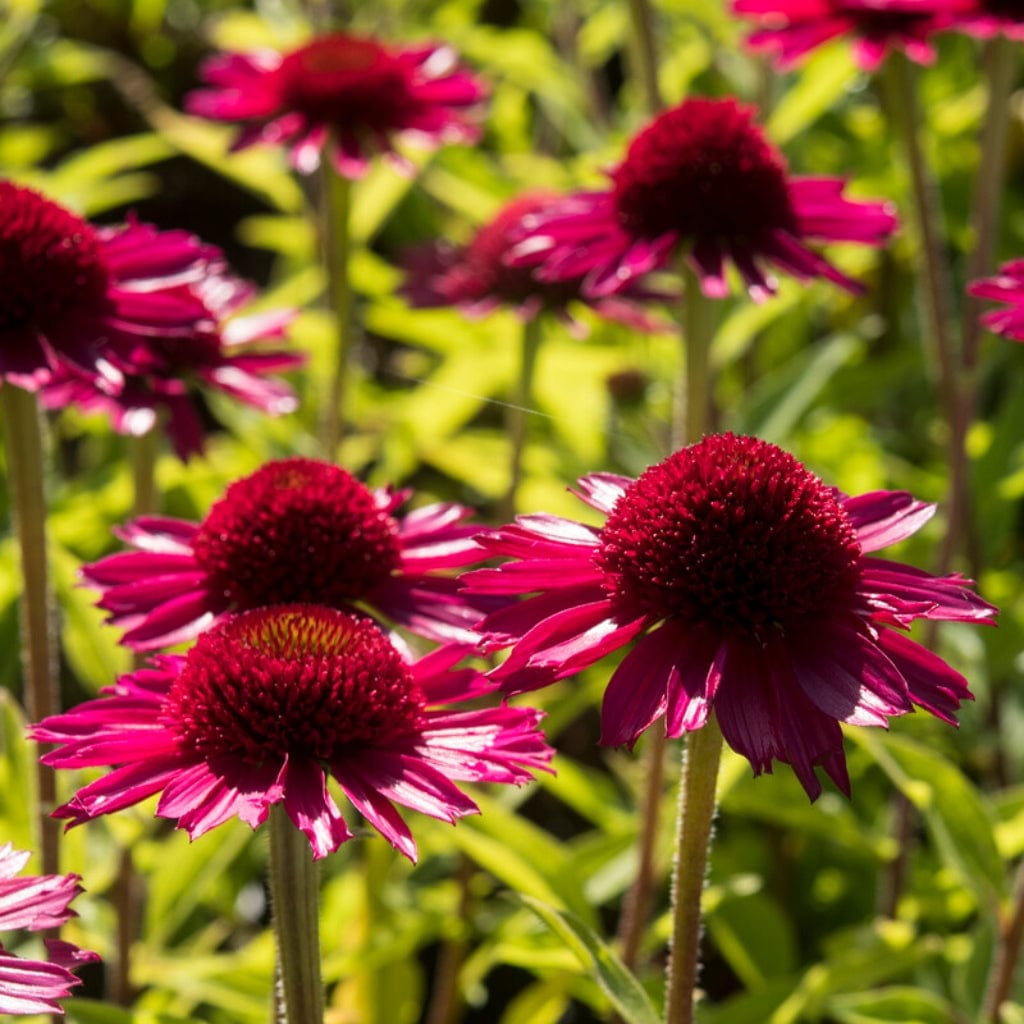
pixel 300 679
pixel 50 264
pixel 733 533
pixel 297 530
pixel 344 80
pixel 703 169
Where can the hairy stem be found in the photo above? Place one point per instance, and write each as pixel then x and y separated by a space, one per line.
pixel 295 905
pixel 702 754
pixel 23 438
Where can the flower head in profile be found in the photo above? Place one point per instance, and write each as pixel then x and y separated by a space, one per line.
pixel 791 29
pixel 142 379
pixel 273 702
pixel 749 588
pixel 296 530
pixel 36 903
pixel 701 178
pixel 986 18
pixel 70 288
pixel 347 94
pixel 1007 287
pixel 480 277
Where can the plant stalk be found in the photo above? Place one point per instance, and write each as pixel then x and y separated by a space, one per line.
pixel 646 59
pixel 336 247
pixel 23 438
pixel 295 905
pixel 1007 955
pixel 702 753
pixel 519 409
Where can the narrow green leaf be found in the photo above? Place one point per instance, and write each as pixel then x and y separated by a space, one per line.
pixel 627 995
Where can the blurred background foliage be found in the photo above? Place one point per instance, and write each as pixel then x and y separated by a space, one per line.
pixel 883 908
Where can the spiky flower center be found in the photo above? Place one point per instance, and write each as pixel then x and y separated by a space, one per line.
pixel 297 530
pixel 731 532
pixel 298 679
pixel 50 264
pixel 703 169
pixel 345 81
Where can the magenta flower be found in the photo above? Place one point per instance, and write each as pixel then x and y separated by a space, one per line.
pixel 791 29
pixel 268 705
pixel 480 277
pixel 344 93
pixel 701 177
pixel 1007 286
pixel 296 530
pixel 986 18
pixel 36 903
pixel 70 288
pixel 141 378
pixel 749 589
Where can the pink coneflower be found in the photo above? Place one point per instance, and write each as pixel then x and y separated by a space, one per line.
pixel 791 29
pixel 748 586
pixel 479 277
pixel 1007 286
pixel 36 903
pixel 987 18
pixel 70 288
pixel 701 177
pixel 295 530
pixel 142 378
pixel 345 93
pixel 269 705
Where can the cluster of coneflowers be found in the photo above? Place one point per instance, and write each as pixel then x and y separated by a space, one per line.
pixel 334 633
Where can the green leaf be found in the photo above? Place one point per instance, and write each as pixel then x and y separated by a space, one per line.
pixel 898 1004
pixel 957 817
pixel 628 997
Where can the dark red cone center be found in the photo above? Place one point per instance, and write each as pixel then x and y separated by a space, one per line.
pixel 345 81
pixel 299 679
pixel 731 532
pixel 297 530
pixel 50 264
pixel 703 169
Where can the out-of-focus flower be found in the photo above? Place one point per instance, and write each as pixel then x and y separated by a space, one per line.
pixel 267 706
pixel 296 530
pixel 750 590
pixel 479 277
pixel 1008 287
pixel 36 903
pixel 791 29
pixel 349 95
pixel 70 289
pixel 987 18
pixel 141 378
pixel 703 179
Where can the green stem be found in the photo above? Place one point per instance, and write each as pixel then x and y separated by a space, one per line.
pixel 23 439
pixel 642 17
pixel 336 245
pixel 1004 963
pixel 702 753
pixel 904 109
pixel 144 451
pixel 519 409
pixel 295 904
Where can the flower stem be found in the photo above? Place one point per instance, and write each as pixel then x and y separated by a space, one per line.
pixel 517 423
pixel 642 16
pixel 1004 963
pixel 23 439
pixel 295 905
pixel 702 753
pixel 335 245
pixel 905 112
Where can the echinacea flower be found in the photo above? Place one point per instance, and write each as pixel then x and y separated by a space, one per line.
pixel 347 94
pixel 791 29
pixel 36 903
pixel 1007 286
pixel 69 287
pixel 986 18
pixel 749 588
pixel 142 379
pixel 296 530
pixel 702 179
pixel 479 277
pixel 273 702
